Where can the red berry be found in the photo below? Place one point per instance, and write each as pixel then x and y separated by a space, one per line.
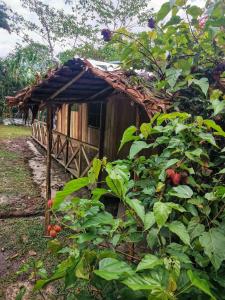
pixel 53 233
pixel 57 228
pixel 176 179
pixel 170 172
pixel 49 227
pixel 50 203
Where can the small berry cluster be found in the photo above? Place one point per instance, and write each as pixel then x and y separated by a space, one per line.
pixel 202 21
pixel 151 23
pixel 53 230
pixel 177 178
pixel 107 35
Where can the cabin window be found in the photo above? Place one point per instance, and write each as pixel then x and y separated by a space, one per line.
pixel 94 111
pixel 75 107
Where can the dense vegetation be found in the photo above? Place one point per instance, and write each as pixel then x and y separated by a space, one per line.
pixel 169 242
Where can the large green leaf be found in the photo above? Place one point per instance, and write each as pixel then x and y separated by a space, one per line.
pixel 111 269
pixel 161 212
pixel 149 262
pixel 149 220
pixel 117 186
pixel 181 191
pixel 145 129
pixel 137 206
pixel 102 218
pixel 212 125
pixel 179 229
pixel 137 282
pixel 128 136
pixel 71 187
pixel 172 75
pixel 163 12
pixel 208 137
pixel 172 116
pixel 213 243
pixel 201 284
pixel 136 147
pixel 194 11
pixel 203 83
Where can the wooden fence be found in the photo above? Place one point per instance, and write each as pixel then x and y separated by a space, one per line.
pixel 76 156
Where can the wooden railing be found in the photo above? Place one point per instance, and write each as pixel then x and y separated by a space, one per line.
pixel 76 156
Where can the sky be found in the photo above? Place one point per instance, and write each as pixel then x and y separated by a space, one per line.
pixel 9 41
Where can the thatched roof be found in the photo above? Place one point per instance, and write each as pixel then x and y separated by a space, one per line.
pixel 84 81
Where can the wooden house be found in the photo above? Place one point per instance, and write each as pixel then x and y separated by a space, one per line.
pixel 92 103
pixel 80 112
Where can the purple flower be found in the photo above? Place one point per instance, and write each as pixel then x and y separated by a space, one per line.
pixel 151 23
pixel 107 35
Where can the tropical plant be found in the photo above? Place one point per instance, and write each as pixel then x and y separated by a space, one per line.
pixel 184 50
pixel 20 68
pixel 169 241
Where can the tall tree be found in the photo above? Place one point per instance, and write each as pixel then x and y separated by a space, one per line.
pixel 4 17
pixel 51 25
pixel 20 68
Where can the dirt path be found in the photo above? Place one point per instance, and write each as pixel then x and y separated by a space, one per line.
pixel 22 185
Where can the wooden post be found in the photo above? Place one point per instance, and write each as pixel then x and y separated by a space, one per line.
pixel 102 135
pixel 68 132
pixel 102 129
pixel 48 166
pixel 138 117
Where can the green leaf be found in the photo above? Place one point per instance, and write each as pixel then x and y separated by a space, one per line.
pixel 149 262
pixel 137 282
pixel 161 212
pixel 71 187
pixel 97 193
pixel 145 129
pixel 208 137
pixel 137 206
pixel 95 170
pixel 128 136
pixel 176 206
pixel 21 293
pixel 213 125
pixel 172 116
pixel 136 147
pixel 163 12
pixel 203 83
pixel 102 218
pixel 117 186
pixel 172 75
pixel 181 191
pixel 200 283
pixel 180 230
pixel 194 11
pixel 149 220
pixel 112 269
pixel 213 243
pixel 218 106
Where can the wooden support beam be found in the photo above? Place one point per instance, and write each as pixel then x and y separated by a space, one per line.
pixel 102 134
pixel 98 93
pixel 48 166
pixel 63 88
pixel 68 132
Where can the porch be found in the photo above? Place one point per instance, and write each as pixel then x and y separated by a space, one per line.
pixel 74 155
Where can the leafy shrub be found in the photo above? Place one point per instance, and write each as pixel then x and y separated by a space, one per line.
pixel 169 242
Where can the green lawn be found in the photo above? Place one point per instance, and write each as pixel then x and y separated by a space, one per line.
pixel 12 131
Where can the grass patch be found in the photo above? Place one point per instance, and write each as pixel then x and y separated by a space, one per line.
pixel 15 175
pixel 12 131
